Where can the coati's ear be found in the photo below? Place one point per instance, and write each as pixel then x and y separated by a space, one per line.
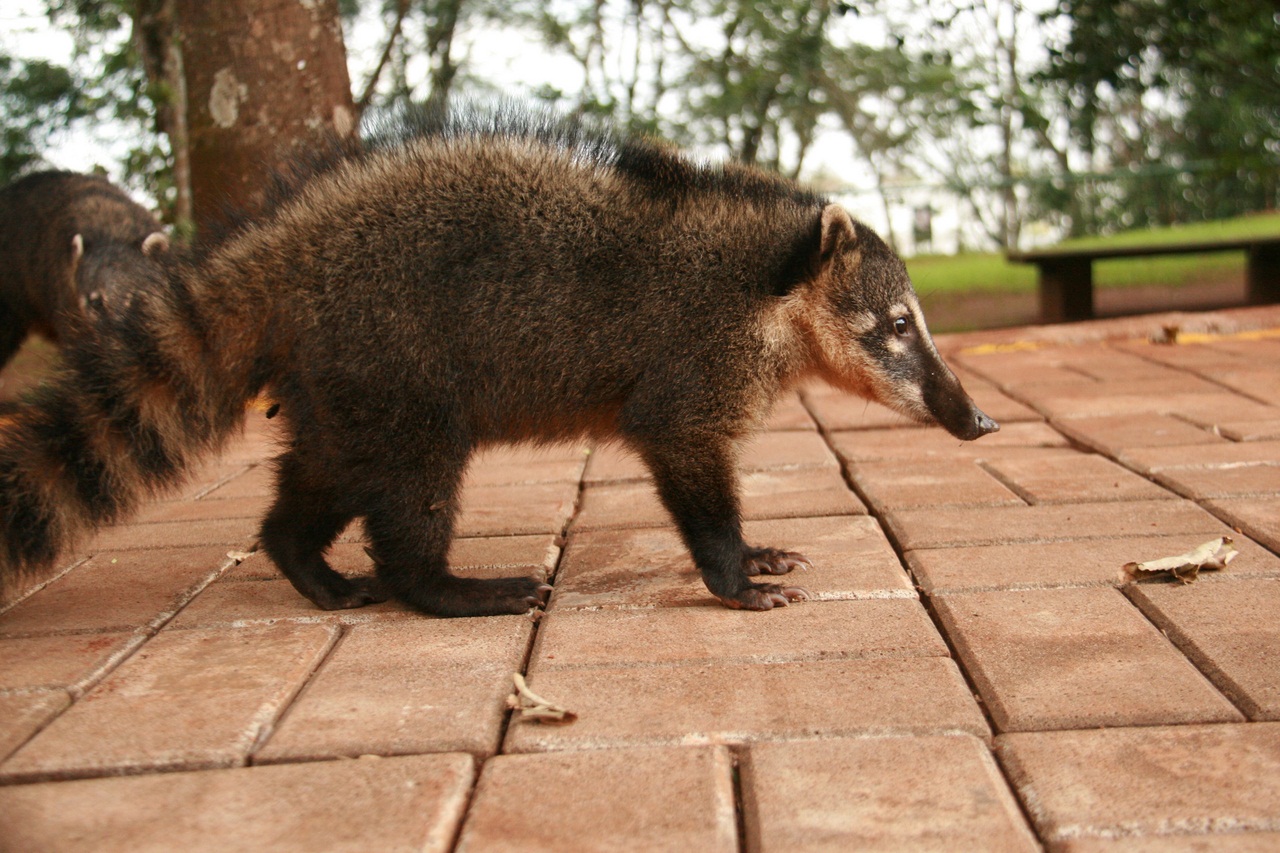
pixel 155 242
pixel 837 232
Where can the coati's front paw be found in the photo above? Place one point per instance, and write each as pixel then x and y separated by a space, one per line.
pixel 764 596
pixel 771 561
pixel 455 596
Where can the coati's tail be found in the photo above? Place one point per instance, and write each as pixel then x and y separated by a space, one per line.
pixel 137 398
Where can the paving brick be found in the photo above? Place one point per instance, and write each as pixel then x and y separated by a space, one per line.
pixel 614 463
pixel 426 685
pixel 267 602
pixel 401 804
pixel 901 793
pixel 951 526
pixel 1062 476
pixel 70 661
pixel 765 494
pixel 1077 562
pixel 1230 630
pixel 510 510
pixel 1193 356
pixel 1074 658
pixel 1224 482
pixel 835 410
pixel 827 630
pixel 1203 408
pixel 767 451
pixel 1223 455
pixel 743 703
pixel 1154 782
pixel 1259 518
pixel 116 591
pixel 24 714
pixel 1115 433
pixel 489 556
pixel 1229 841
pixel 1268 430
pixel 648 568
pixel 258 481
pixel 208 477
pixel 186 700
pixel 904 484
pixel 248 507
pixel 226 533
pixel 790 414
pixel 508 465
pixel 875 445
pixel 674 799
pixel 1262 385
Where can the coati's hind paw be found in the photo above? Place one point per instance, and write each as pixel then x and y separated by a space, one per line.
pixel 764 596
pixel 355 592
pixel 771 561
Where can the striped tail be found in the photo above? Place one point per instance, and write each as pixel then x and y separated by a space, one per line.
pixel 141 393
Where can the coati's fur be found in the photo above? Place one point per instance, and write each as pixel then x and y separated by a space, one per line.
pixel 509 278
pixel 68 242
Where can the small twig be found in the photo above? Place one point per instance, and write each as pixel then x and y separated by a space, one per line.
pixel 534 708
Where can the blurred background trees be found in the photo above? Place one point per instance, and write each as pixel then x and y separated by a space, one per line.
pixel 1054 116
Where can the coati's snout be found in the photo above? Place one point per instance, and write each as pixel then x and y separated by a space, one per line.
pixel 869 333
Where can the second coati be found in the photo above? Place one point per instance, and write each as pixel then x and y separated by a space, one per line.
pixel 68 242
pixel 505 277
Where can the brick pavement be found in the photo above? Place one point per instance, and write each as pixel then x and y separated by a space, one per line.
pixel 970 674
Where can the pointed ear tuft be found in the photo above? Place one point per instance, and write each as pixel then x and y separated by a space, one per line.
pixel 155 242
pixel 837 231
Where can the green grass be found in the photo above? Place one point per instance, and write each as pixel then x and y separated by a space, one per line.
pixel 991 272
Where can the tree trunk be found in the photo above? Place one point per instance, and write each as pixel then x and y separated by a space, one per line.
pixel 262 81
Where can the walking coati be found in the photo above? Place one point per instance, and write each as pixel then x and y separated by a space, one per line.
pixel 475 279
pixel 68 242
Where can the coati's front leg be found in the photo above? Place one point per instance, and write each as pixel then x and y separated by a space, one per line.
pixel 410 525
pixel 699 488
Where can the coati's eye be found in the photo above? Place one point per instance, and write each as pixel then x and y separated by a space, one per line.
pixel 901 327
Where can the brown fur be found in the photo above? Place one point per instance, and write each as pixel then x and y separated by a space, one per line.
pixel 69 241
pixel 476 282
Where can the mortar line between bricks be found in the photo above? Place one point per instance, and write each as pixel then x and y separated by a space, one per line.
pixel 1180 642
pixel 924 598
pixel 269 728
pixel 1205 376
pixel 736 753
pixel 562 543
pixel 926 601
pixel 139 638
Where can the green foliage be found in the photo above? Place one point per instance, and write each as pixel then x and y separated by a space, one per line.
pixel 36 99
pixel 1190 84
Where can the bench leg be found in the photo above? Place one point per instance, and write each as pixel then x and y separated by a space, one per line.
pixel 1066 290
pixel 1263 275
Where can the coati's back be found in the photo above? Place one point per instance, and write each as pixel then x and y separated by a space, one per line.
pixel 539 276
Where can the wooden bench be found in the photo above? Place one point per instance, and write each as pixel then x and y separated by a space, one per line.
pixel 1066 275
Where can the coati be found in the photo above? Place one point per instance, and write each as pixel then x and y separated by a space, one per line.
pixel 67 242
pixel 478 278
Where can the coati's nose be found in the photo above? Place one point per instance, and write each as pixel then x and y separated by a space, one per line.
pixel 984 424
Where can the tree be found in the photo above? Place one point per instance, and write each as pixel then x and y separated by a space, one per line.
pixel 1189 87
pixel 260 81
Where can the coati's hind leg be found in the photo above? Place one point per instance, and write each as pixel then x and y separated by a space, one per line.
pixel 699 488
pixel 300 527
pixel 410 526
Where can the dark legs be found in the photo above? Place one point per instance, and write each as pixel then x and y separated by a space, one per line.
pixel 409 518
pixel 300 527
pixel 699 489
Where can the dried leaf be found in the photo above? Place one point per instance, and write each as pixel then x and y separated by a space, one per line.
pixel 1210 556
pixel 240 556
pixel 532 707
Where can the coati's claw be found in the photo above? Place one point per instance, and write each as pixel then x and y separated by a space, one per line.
pixel 772 561
pixel 765 596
